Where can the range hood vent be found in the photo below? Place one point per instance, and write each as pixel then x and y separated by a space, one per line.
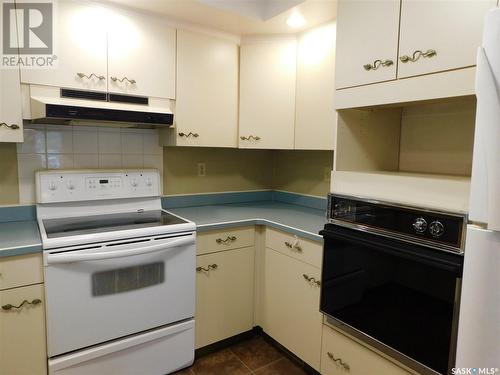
pixel 67 106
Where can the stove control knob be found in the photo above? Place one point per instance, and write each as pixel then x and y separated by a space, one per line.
pixel 149 182
pixel 436 228
pixel 52 186
pixel 70 185
pixel 134 183
pixel 420 225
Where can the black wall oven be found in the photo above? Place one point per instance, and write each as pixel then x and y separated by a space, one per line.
pixel 391 281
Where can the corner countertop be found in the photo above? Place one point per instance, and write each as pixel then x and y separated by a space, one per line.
pixel 19 238
pixel 302 221
pixel 23 237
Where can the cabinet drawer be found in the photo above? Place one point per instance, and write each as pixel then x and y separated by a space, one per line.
pixel 224 295
pixel 23 349
pixel 299 248
pixel 20 270
pixel 341 355
pixel 232 238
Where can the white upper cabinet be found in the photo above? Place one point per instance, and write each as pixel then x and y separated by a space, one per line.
pixel 141 56
pixel 80 46
pixel 367 41
pixel 11 124
pixel 440 35
pixel 315 115
pixel 207 91
pixel 267 93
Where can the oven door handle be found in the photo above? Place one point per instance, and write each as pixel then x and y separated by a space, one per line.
pixel 72 258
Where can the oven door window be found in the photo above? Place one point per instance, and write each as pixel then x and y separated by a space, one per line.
pixel 127 279
pixel 399 294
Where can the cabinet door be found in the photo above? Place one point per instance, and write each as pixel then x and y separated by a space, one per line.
pixel 11 123
pixel 367 38
pixel 341 355
pixel 80 46
pixel 452 29
pixel 207 90
pixel 291 306
pixel 141 56
pixel 224 295
pixel 267 94
pixel 315 115
pixel 22 332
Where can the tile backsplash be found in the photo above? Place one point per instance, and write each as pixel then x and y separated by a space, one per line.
pixel 83 147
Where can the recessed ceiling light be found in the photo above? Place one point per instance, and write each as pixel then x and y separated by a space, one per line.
pixel 296 20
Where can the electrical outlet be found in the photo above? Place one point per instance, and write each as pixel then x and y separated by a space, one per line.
pixel 202 169
pixel 327 173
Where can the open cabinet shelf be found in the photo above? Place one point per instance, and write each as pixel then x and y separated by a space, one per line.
pixel 419 154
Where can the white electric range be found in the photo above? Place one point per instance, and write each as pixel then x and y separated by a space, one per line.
pixel 119 274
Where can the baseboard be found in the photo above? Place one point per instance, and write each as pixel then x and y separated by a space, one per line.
pixel 256 331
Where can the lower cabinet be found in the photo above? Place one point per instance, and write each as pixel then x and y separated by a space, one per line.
pixel 22 331
pixel 341 354
pixel 224 295
pixel 291 305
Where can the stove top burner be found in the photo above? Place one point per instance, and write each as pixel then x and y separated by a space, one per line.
pixel 73 226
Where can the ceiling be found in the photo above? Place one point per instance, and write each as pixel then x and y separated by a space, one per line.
pixel 242 17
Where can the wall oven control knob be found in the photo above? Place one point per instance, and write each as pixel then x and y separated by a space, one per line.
pixel 420 225
pixel 436 228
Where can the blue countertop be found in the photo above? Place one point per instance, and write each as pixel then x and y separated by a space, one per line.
pixel 23 237
pixel 302 221
pixel 19 237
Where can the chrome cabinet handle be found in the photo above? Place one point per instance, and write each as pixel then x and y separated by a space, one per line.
pixel 83 75
pixel 338 361
pixel 292 246
pixel 417 54
pixel 131 81
pixel 311 279
pixel 377 64
pixel 227 241
pixel 11 126
pixel 209 267
pixel 187 135
pixel 250 137
pixel 7 307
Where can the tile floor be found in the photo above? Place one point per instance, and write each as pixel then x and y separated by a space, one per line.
pixel 252 356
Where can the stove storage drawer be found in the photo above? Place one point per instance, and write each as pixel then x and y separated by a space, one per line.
pixel 299 248
pixel 227 239
pixel 22 331
pixel 342 355
pixel 20 270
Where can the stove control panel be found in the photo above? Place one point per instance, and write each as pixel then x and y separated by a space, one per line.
pixel 70 186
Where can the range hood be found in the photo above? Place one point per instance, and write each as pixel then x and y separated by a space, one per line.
pixel 50 105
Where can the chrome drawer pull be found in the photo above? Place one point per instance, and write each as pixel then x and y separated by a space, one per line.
pixel 291 246
pixel 11 126
pixel 209 267
pixel 131 81
pixel 36 301
pixel 227 241
pixel 338 361
pixel 83 75
pixel 181 134
pixel 377 64
pixel 250 137
pixel 417 54
pixel 311 279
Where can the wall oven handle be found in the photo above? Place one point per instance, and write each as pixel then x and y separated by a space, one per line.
pixel 71 258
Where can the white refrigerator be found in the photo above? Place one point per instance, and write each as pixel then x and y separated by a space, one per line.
pixel 479 323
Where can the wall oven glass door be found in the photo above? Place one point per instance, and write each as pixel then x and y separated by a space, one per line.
pixel 398 294
pixel 105 291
